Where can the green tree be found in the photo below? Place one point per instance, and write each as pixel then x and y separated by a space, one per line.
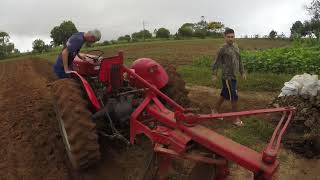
pixel 188 25
pixel 215 29
pixel 273 34
pixel 162 33
pixel 201 28
pixel 105 43
pixel 4 37
pixel 61 33
pixel 186 30
pixel 125 38
pixel 6 47
pixel 38 45
pixel 298 29
pixel 143 34
pixel 200 33
pixel 314 9
pixel 201 25
pixel 215 26
pixel 313 26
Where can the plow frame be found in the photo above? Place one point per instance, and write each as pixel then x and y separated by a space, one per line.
pixel 179 128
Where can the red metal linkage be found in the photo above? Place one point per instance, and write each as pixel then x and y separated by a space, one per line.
pixel 178 129
pixel 175 105
pixel 193 119
pixel 271 151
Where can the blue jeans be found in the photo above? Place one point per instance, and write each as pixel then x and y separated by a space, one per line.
pixel 59 71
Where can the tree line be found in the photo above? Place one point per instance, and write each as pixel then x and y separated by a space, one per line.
pixel 202 29
pixel 311 27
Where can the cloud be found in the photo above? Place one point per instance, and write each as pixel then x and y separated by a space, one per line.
pixel 35 18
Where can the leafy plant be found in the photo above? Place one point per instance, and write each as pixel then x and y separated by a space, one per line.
pixel 290 60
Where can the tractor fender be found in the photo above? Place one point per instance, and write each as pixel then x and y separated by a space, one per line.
pixel 90 93
pixel 150 71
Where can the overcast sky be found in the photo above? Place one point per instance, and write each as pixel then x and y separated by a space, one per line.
pixel 27 20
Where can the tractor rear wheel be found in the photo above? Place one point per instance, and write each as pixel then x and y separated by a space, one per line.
pixel 76 127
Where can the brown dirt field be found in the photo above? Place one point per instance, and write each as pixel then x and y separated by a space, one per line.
pixel 31 145
pixel 32 148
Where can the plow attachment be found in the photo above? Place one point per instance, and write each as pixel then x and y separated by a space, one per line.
pixel 174 131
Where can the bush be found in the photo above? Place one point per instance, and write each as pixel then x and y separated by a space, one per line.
pixel 113 42
pixel 126 38
pixel 142 34
pixel 200 33
pixel 105 43
pixel 163 33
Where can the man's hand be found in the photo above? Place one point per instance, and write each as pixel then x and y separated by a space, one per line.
pixel 67 71
pixel 244 76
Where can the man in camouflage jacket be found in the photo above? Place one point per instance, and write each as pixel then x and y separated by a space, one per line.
pixel 228 59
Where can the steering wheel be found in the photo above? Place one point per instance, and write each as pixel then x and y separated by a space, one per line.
pixel 96 57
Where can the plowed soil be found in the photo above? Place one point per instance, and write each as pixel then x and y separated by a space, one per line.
pixel 30 143
pixel 31 146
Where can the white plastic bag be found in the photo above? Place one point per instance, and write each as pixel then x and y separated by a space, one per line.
pixel 290 88
pixel 304 84
pixel 310 85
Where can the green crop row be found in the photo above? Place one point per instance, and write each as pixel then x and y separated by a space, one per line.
pixel 291 60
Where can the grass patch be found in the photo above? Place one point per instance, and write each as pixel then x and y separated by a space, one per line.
pixel 199 73
pixel 195 75
pixel 254 132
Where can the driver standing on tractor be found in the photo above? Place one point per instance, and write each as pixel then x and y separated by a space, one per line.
pixel 64 61
pixel 228 59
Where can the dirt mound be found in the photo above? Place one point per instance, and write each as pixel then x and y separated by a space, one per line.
pixel 175 88
pixel 303 134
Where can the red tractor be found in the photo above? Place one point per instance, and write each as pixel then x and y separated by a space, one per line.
pixel 105 97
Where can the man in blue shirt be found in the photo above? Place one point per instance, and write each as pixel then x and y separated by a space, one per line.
pixel 65 59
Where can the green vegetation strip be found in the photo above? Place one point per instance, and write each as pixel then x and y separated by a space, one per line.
pixel 199 73
pixel 291 60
